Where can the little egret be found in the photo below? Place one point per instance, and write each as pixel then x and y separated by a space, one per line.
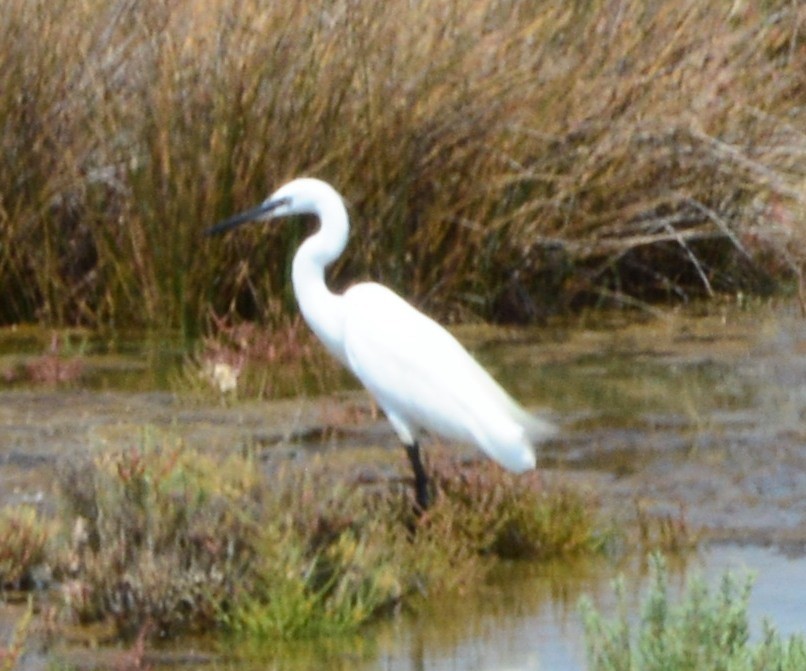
pixel 419 374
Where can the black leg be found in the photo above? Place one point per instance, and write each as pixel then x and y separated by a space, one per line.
pixel 421 495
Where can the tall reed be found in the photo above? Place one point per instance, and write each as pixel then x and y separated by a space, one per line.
pixel 500 159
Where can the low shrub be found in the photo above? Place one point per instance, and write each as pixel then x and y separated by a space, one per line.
pixel 707 631
pixel 159 533
pixel 24 536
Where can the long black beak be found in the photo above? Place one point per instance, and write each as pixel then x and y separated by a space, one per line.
pixel 244 217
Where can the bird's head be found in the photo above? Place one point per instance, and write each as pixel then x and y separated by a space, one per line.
pixel 305 195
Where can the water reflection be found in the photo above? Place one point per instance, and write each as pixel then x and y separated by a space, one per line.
pixel 530 622
pixel 32 357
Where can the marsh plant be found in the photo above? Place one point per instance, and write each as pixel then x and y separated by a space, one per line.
pixel 243 359
pixel 329 563
pixel 12 652
pixel 668 532
pixel 186 541
pixel 514 516
pixel 374 554
pixel 501 159
pixel 24 536
pixel 157 533
pixel 709 630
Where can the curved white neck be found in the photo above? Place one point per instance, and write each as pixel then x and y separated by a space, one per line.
pixel 320 307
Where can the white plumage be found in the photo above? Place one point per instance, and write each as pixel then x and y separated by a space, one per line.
pixel 419 374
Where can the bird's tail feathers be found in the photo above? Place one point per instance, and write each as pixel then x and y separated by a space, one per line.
pixel 510 449
pixel 537 430
pixel 512 443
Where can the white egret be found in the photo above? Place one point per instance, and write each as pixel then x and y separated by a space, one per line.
pixel 419 374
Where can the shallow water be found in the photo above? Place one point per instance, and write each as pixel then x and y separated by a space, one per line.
pixel 526 621
pixel 695 413
pixel 531 621
pixel 31 357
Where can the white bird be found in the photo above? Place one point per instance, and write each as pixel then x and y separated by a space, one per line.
pixel 419 374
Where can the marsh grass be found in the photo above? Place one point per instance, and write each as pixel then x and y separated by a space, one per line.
pixel 669 532
pixel 240 359
pixel 186 541
pixel 347 555
pixel 513 516
pixel 708 630
pixel 501 160
pixel 325 569
pixel 24 536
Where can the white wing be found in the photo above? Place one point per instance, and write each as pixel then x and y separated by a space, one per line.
pixel 423 378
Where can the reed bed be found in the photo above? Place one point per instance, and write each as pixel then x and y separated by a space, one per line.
pixel 501 160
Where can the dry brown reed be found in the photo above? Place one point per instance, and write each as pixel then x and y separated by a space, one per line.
pixel 501 159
